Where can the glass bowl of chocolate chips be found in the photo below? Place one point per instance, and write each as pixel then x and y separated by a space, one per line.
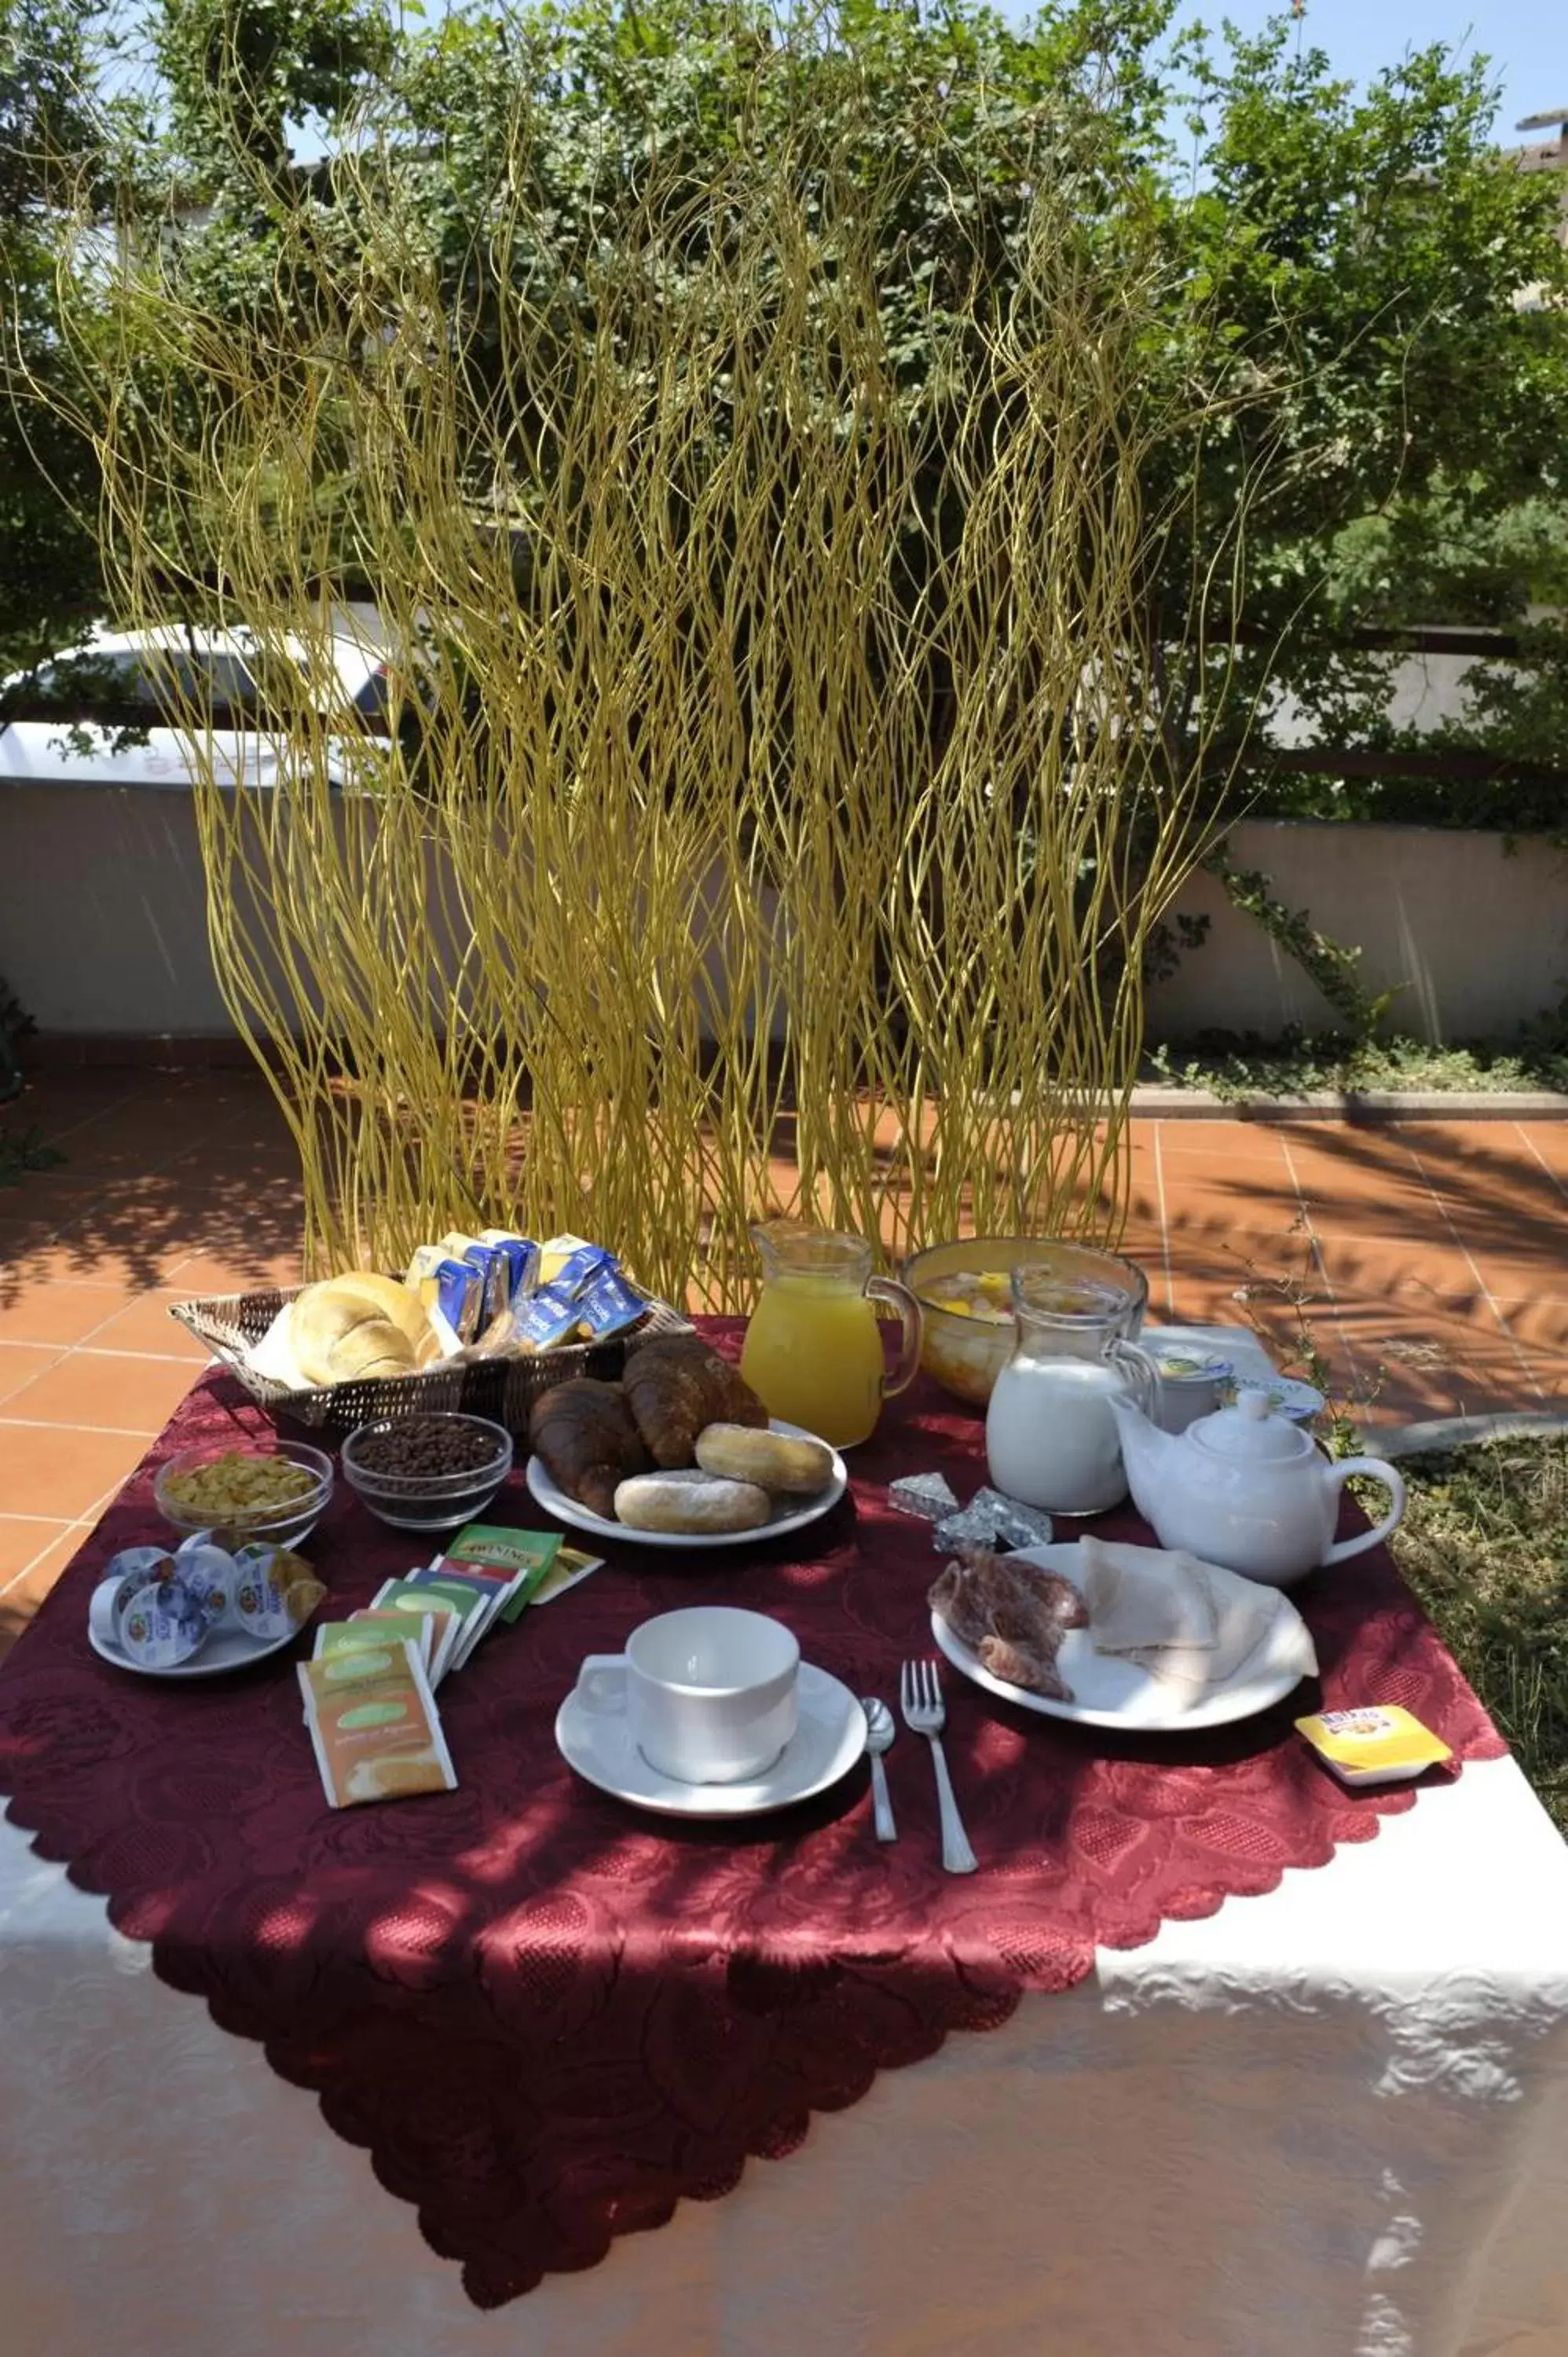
pixel 427 1471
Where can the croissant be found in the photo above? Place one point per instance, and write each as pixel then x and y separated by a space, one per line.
pixel 675 1387
pixel 585 1434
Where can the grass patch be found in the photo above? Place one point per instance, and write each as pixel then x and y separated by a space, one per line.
pixel 1484 1546
pixel 1236 1065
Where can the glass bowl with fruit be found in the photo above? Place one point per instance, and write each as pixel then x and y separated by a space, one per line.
pixel 244 1491
pixel 964 1289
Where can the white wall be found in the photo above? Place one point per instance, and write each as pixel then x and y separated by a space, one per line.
pixel 1477 938
pixel 103 928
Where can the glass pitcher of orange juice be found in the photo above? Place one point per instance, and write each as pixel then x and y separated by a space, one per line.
pixel 813 1348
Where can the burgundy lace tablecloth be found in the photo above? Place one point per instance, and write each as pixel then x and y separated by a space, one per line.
pixel 547 2017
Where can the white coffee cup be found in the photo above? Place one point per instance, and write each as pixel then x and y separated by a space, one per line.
pixel 709 1693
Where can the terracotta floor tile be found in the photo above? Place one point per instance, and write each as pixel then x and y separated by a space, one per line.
pixel 205 1271
pixel 53 1470
pixel 20 1361
pixel 33 1309
pixel 1380 1266
pixel 104 1393
pixel 23 1538
pixel 145 1325
pixel 1241 1140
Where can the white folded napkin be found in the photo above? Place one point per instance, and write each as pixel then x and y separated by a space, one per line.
pixel 1190 1624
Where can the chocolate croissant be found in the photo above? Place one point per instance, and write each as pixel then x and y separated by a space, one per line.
pixel 585 1434
pixel 675 1387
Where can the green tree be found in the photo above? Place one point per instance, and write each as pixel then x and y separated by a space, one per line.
pixel 51 130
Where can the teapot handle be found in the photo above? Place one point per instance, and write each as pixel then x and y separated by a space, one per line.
pixel 1341 1471
pixel 888 1290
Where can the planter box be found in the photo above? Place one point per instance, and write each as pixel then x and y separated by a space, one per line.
pixel 1474 935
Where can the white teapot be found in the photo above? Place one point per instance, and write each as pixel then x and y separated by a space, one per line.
pixel 1246 1489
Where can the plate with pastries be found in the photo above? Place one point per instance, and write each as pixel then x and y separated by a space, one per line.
pixel 680 1453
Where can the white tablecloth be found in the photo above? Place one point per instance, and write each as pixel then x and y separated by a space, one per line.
pixel 1328 2123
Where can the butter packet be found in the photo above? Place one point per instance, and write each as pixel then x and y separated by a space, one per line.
pixel 373 1725
pixel 523 1259
pixel 523 1558
pixel 611 1304
pixel 549 1318
pixel 1378 1744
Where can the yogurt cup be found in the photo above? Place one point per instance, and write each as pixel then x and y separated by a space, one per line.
pixel 1190 1383
pixel 160 1623
pixel 125 1574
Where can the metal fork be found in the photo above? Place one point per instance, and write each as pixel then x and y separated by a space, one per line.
pixel 920 1698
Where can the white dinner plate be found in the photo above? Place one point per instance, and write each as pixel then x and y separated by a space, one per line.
pixel 788 1515
pixel 1112 1693
pixel 226 1649
pixel 825 1746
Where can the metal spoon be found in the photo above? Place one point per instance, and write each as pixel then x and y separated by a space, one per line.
pixel 880 1730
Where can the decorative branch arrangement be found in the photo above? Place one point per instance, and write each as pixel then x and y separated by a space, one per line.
pixel 778 797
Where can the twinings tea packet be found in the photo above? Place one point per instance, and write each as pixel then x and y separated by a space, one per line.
pixel 373 1725
pixel 522 1558
pixel 1377 1744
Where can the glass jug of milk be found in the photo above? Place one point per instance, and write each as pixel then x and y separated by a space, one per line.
pixel 1050 1437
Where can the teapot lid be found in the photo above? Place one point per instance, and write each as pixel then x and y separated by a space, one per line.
pixel 1251 1433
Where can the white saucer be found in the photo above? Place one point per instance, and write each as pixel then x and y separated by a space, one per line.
pixel 226 1649
pixel 786 1515
pixel 1112 1693
pixel 827 1743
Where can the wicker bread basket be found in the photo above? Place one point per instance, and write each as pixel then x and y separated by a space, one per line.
pixel 502 1389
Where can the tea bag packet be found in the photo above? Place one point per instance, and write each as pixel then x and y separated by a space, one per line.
pixel 372 1629
pixel 476 1597
pixel 373 1725
pixel 1378 1744
pixel 570 1567
pixel 523 1558
pixel 276 1591
pixel 401 1596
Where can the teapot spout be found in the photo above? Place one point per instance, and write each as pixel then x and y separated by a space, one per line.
pixel 1146 1451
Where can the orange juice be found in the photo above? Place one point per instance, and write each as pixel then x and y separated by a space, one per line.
pixel 814 1356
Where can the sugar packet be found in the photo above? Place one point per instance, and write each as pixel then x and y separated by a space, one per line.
pixel 373 1725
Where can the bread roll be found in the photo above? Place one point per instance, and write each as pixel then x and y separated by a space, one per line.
pixel 359 1327
pixel 690 1502
pixel 787 1468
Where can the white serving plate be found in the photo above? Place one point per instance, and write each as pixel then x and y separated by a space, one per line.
pixel 226 1649
pixel 787 1516
pixel 1116 1693
pixel 827 1743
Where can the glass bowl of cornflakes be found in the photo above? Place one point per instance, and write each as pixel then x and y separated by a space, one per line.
pixel 243 1493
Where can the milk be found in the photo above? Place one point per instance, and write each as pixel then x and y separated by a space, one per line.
pixel 1051 1439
